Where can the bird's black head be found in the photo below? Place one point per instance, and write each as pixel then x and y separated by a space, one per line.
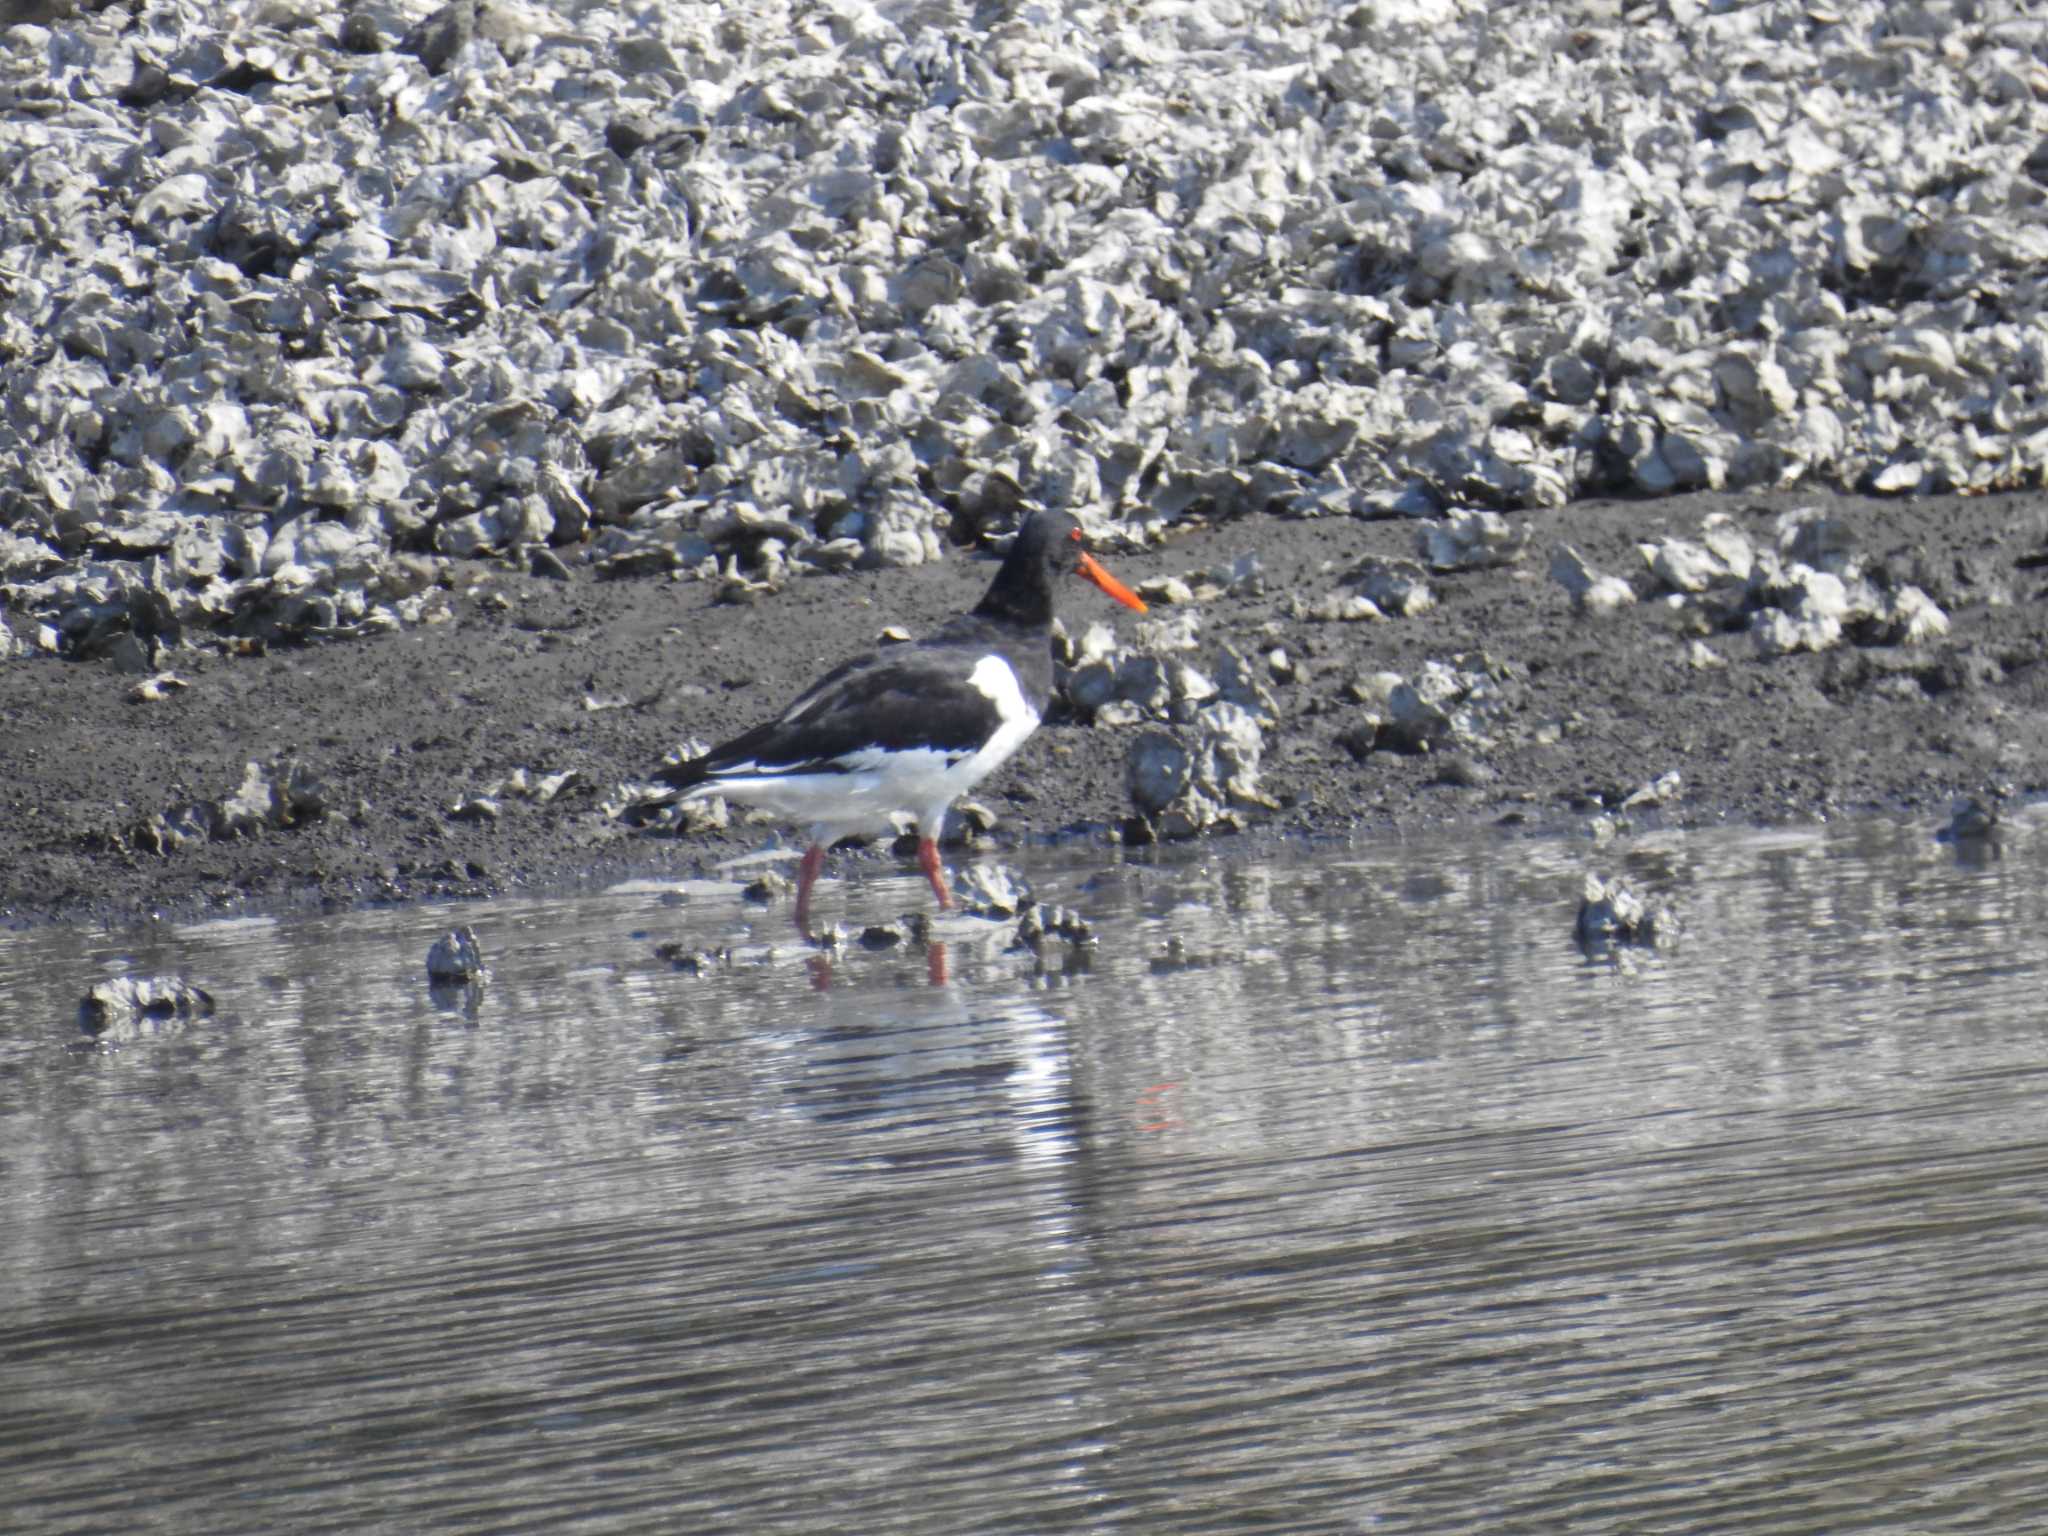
pixel 1047 546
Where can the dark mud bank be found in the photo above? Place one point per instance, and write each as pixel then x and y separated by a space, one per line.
pixel 490 752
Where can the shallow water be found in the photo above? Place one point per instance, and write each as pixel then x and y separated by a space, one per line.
pixel 1391 1212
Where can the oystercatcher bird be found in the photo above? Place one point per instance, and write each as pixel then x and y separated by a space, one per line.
pixel 906 731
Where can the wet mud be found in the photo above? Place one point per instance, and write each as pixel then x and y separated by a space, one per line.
pixel 490 752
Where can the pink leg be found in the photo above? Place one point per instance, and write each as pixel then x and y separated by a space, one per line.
pixel 806 877
pixel 928 861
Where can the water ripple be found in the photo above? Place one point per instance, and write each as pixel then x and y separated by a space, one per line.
pixel 1377 1207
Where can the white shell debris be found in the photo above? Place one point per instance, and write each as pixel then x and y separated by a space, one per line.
pixel 1348 607
pixel 647 804
pixel 1911 617
pixel 285 793
pixel 1662 790
pixel 526 784
pixel 1589 591
pixel 1114 684
pixel 967 822
pixel 1446 703
pixel 1167 590
pixel 1396 587
pixel 1814 590
pixel 1728 546
pixel 457 959
pixel 1683 566
pixel 1240 682
pixel 1807 590
pixel 1204 774
pixel 740 292
pixel 1471 541
pixel 152 690
pixel 1186 783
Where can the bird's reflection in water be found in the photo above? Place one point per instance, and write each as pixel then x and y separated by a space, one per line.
pixel 937 973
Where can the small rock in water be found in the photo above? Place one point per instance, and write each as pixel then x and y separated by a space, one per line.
pixel 969 822
pixel 1041 923
pixel 768 886
pixel 1971 821
pixel 1610 914
pixel 993 890
pixel 692 962
pixel 134 1005
pixel 457 959
pixel 1177 956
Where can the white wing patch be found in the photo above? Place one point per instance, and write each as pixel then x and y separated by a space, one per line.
pixel 993 679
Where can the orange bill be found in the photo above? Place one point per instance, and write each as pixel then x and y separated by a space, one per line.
pixel 1092 569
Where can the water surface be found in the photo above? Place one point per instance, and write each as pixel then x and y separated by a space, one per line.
pixel 1383 1208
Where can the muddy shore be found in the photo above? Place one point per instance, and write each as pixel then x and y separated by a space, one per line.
pixel 603 677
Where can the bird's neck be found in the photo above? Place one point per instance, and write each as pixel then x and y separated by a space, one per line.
pixel 1017 604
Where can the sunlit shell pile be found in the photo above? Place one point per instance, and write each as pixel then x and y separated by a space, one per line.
pixel 298 301
pixel 1809 591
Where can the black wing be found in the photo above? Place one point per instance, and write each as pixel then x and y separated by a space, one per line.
pixel 885 702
